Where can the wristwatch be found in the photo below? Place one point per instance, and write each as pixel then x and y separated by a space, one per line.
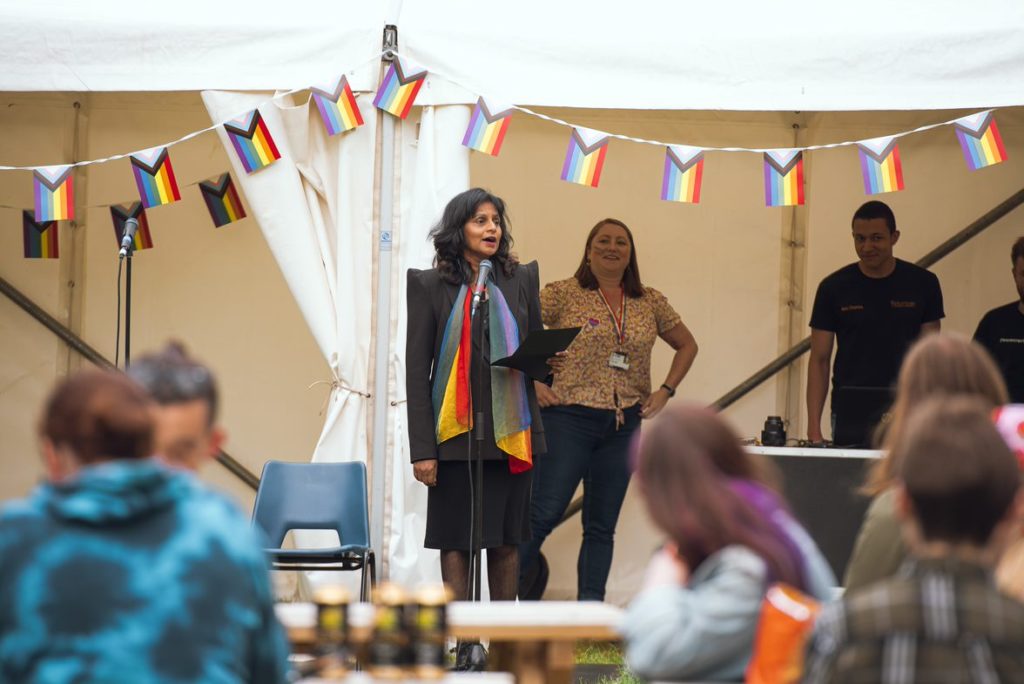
pixel 671 391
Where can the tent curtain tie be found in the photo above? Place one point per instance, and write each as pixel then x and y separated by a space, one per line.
pixel 336 384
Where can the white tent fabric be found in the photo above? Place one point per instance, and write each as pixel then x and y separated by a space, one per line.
pixel 738 54
pixel 315 208
pixel 188 45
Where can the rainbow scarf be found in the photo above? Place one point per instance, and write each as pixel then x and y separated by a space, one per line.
pixel 453 404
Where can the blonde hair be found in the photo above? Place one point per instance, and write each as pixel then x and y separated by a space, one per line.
pixel 940 364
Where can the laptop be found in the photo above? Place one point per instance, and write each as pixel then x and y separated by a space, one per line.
pixel 858 411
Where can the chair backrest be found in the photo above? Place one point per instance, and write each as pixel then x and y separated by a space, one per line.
pixel 313 496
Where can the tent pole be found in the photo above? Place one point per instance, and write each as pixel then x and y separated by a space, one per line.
pixel 382 333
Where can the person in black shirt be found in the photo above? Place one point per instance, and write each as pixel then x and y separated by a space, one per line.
pixel 1001 330
pixel 872 309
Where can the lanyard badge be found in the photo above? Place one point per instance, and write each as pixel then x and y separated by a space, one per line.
pixel 617 359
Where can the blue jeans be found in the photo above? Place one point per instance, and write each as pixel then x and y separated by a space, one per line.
pixel 583 444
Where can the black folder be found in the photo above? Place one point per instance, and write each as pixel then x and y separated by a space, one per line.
pixel 532 355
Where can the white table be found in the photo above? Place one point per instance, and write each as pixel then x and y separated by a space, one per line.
pixel 814 451
pixel 535 640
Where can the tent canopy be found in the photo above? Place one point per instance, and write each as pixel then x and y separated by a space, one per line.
pixel 737 54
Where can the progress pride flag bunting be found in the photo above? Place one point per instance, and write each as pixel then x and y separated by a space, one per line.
pixel 397 92
pixel 880 165
pixel 53 191
pixel 980 140
pixel 121 213
pixel 684 172
pixel 154 177
pixel 39 238
pixel 252 141
pixel 783 178
pixel 584 159
pixel 337 107
pixel 487 127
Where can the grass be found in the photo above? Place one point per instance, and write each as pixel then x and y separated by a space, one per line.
pixel 606 653
pixel 623 676
pixel 598 653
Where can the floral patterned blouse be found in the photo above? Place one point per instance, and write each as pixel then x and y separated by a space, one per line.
pixel 586 377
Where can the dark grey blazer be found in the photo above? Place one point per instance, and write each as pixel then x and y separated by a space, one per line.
pixel 430 301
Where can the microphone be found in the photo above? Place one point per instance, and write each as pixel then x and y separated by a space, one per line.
pixel 483 270
pixel 131 226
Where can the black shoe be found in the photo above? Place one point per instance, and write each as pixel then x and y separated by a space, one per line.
pixel 470 656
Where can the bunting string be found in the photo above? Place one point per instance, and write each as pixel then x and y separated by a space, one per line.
pixel 190 136
pixel 525 110
pixel 253 143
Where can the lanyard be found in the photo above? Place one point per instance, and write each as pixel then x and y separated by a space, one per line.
pixel 618 321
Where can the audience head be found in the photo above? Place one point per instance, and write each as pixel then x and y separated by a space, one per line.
pixel 696 480
pixel 450 240
pixel 186 395
pixel 958 478
pixel 91 417
pixel 945 364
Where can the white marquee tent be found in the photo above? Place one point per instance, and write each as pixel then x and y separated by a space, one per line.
pixel 618 68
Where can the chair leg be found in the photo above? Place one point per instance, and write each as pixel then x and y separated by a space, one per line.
pixel 366 588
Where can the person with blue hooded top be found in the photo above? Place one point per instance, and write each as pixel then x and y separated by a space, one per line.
pixel 118 568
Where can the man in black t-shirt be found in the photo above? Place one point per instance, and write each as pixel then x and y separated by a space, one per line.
pixel 873 309
pixel 1001 331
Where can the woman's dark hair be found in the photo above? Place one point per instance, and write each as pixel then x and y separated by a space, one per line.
pixel 630 279
pixel 695 479
pixel 450 240
pixel 99 416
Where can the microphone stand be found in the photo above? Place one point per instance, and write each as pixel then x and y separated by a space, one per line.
pixel 476 546
pixel 128 307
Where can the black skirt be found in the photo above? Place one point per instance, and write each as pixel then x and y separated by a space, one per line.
pixel 506 504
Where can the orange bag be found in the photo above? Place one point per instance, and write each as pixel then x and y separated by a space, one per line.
pixel 787 616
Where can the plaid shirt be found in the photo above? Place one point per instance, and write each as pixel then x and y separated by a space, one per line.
pixel 935 621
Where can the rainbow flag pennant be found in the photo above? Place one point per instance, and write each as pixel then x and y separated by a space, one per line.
pixel 585 157
pixel 154 177
pixel 783 178
pixel 54 196
pixel 980 140
pixel 121 213
pixel 337 106
pixel 252 142
pixel 881 166
pixel 222 200
pixel 399 88
pixel 39 237
pixel 684 171
pixel 487 127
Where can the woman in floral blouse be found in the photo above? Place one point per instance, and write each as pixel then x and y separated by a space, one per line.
pixel 601 392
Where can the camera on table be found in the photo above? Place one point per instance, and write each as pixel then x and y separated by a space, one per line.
pixel 774 432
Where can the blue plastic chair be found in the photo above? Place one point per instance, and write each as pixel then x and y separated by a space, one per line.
pixel 318 496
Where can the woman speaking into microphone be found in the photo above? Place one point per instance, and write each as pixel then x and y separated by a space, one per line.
pixel 446 349
pixel 601 391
